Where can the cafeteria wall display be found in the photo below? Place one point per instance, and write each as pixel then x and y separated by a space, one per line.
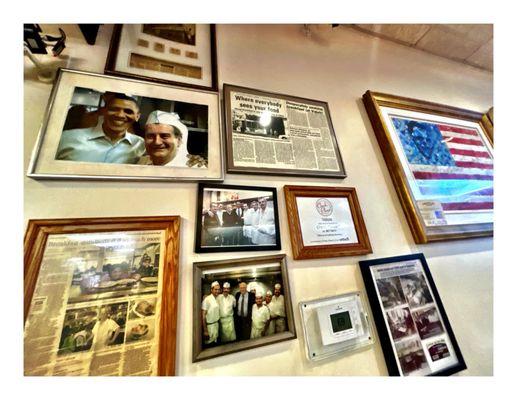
pixel 416 336
pixel 440 159
pixel 325 222
pixel 236 218
pixel 181 54
pixel 240 304
pixel 100 296
pixel 277 134
pixel 104 127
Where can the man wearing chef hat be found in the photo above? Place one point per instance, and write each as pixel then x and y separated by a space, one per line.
pixel 226 305
pixel 259 317
pixel 165 140
pixel 271 328
pixel 277 307
pixel 210 315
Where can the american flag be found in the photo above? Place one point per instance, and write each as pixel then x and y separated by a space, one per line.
pixel 450 164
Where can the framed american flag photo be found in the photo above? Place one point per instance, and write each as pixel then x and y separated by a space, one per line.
pixel 440 159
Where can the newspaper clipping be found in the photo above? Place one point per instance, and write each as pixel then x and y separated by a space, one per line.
pixel 415 325
pixel 271 132
pixel 96 306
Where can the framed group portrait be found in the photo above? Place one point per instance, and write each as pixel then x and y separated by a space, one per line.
pixel 325 222
pixel 240 304
pixel 236 218
pixel 441 162
pixel 100 296
pixel 415 334
pixel 179 54
pixel 105 127
pixel 277 134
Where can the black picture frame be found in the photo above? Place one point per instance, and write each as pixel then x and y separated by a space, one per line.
pixel 383 330
pixel 200 248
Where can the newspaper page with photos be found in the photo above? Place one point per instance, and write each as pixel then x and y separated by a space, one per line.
pixel 96 306
pixel 269 132
pixel 418 337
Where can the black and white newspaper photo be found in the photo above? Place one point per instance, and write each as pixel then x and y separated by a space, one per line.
pixel 96 306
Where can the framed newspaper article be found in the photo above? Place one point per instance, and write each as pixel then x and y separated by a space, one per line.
pixel 105 127
pixel 325 222
pixel 100 296
pixel 181 54
pixel 240 304
pixel 236 218
pixel 276 134
pixel 415 334
pixel 441 162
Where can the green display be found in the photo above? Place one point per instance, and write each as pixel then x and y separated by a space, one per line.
pixel 340 322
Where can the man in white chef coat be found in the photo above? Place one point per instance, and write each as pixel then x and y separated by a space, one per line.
pixel 277 307
pixel 105 331
pixel 264 224
pixel 226 305
pixel 210 315
pixel 259 317
pixel 271 328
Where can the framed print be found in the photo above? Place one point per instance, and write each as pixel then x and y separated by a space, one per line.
pixel 440 159
pixel 100 296
pixel 236 218
pixel 181 54
pixel 325 222
pixel 276 134
pixel 240 304
pixel 415 334
pixel 104 127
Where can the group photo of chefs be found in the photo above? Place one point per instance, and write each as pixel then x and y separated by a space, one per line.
pixel 244 218
pixel 236 310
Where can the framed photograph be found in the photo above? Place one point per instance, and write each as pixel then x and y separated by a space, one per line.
pixel 440 159
pixel 276 134
pixel 236 218
pixel 100 296
pixel 415 334
pixel 104 127
pixel 239 305
pixel 181 54
pixel 325 222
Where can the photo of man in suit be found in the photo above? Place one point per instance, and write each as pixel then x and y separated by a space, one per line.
pixel 244 305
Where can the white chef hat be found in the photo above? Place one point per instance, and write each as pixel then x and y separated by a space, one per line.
pixel 214 283
pixel 226 285
pixel 168 118
pixel 278 286
pixel 269 293
pixel 259 293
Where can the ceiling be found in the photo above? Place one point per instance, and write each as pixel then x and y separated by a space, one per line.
pixel 467 43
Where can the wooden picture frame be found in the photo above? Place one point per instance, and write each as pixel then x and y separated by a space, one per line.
pixel 440 159
pixel 415 334
pixel 41 232
pixel 256 118
pixel 243 232
pixel 264 272
pixel 178 53
pixel 346 236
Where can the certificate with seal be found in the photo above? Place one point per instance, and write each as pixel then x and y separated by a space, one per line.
pixel 325 222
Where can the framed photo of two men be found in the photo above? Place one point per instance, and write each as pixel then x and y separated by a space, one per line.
pixel 236 218
pixel 441 162
pixel 104 127
pixel 240 304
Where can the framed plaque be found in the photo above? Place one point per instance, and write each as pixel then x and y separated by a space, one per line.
pixel 181 54
pixel 236 218
pixel 277 134
pixel 100 296
pixel 415 334
pixel 104 127
pixel 325 222
pixel 440 159
pixel 240 304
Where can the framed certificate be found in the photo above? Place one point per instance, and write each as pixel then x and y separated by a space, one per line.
pixel 100 296
pixel 325 222
pixel 441 161
pixel 414 331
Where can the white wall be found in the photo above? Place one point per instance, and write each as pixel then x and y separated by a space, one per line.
pixel 336 66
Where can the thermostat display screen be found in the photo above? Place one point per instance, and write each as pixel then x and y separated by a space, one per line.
pixel 340 321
